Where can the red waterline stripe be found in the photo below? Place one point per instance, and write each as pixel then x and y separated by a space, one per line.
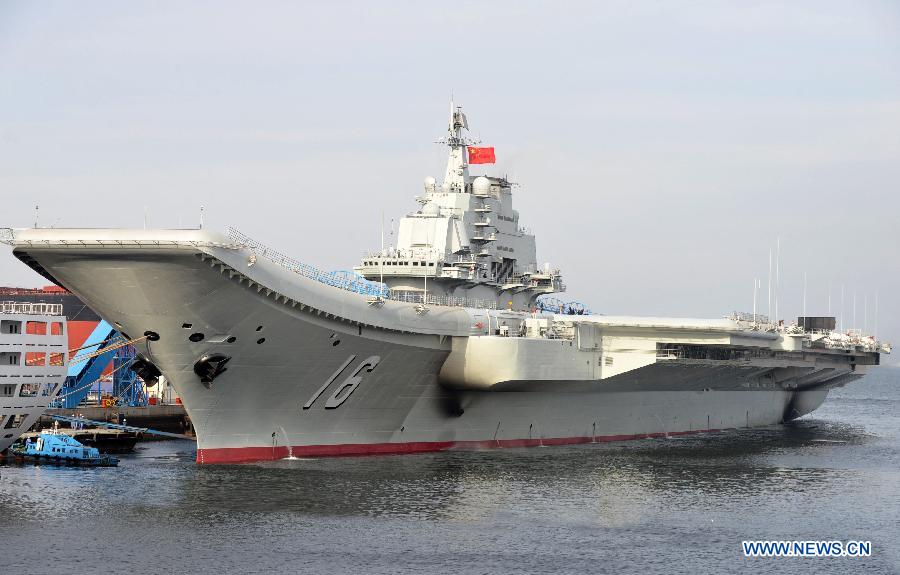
pixel 248 454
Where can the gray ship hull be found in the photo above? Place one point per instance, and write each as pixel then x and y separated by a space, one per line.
pixel 441 339
pixel 316 371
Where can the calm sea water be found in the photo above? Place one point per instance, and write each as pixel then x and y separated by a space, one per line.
pixel 655 506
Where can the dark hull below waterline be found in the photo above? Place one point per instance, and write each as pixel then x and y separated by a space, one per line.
pixel 251 454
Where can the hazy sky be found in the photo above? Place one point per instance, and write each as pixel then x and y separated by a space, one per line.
pixel 661 147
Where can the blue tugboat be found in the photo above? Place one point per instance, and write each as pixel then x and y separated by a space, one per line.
pixel 55 447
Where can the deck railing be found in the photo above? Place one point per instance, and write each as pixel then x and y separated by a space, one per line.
pixel 31 308
pixel 342 281
pixel 334 279
pixel 447 300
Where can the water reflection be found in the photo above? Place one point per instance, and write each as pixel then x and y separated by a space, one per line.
pixel 819 475
pixel 583 483
pixel 460 485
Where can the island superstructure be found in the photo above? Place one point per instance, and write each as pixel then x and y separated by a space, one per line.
pixel 465 240
pixel 436 344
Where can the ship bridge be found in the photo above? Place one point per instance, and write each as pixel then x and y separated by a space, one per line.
pixel 465 240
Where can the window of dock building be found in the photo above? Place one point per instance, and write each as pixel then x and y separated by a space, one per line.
pixel 14 421
pixel 7 390
pixel 9 358
pixel 57 359
pixel 56 328
pixel 36 328
pixel 45 389
pixel 35 358
pixel 29 390
pixel 10 326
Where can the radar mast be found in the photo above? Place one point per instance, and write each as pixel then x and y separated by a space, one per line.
pixel 456 178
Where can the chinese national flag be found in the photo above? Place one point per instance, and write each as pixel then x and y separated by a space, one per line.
pixel 481 155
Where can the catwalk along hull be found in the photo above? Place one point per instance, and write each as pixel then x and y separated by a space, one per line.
pixel 313 370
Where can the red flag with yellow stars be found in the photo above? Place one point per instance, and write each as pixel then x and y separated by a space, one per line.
pixel 481 155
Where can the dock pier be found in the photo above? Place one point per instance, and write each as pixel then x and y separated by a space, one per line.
pixel 170 418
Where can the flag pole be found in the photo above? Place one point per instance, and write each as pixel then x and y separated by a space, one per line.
pixel 381 255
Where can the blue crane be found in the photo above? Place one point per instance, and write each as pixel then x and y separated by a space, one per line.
pixel 81 375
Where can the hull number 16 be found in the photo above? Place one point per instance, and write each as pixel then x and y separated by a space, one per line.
pixel 348 386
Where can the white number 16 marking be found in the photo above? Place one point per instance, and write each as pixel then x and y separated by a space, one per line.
pixel 349 385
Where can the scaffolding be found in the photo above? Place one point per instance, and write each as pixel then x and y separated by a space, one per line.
pixel 128 389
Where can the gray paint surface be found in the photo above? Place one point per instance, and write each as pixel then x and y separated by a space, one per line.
pixel 287 336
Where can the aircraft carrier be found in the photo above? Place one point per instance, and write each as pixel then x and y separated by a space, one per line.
pixel 437 341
